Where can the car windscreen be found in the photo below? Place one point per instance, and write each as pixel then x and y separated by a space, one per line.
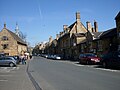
pixel 90 55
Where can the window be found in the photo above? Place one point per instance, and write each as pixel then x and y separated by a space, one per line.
pixel 100 45
pixel 7 58
pixel 1 58
pixel 5 46
pixel 4 38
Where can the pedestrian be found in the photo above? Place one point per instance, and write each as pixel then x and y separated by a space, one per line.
pixel 23 59
pixel 30 56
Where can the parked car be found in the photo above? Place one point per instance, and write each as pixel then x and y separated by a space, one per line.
pixel 2 54
pixel 17 58
pixel 45 55
pixel 57 57
pixel 111 59
pixel 8 60
pixel 88 58
pixel 50 56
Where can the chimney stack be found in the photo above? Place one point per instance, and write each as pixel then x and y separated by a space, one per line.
pixel 95 26
pixel 77 16
pixel 65 28
pixel 60 34
pixel 57 36
pixel 68 29
pixel 50 39
pixel 89 27
pixel 93 30
pixel 4 25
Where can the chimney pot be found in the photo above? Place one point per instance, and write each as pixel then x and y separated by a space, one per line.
pixel 95 26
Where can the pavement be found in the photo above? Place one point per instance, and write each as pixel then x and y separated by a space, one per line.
pixel 15 78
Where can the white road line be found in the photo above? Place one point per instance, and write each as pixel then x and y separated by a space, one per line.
pixel 8 69
pixel 91 66
pixel 110 70
pixel 107 70
pixel 3 80
pixel 5 75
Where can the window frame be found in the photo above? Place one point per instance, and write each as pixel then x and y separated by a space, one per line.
pixel 4 38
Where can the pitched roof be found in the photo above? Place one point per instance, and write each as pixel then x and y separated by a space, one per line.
pixel 71 26
pixel 118 15
pixel 18 39
pixel 96 35
pixel 66 34
pixel 109 33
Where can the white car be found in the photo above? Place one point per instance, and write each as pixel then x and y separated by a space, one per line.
pixel 57 57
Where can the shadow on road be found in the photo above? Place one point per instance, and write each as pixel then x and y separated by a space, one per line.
pixel 98 66
pixel 112 68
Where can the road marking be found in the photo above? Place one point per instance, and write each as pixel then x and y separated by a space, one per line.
pixel 5 75
pixel 107 69
pixel 3 80
pixel 8 69
pixel 104 69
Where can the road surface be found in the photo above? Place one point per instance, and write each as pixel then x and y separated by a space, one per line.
pixel 66 75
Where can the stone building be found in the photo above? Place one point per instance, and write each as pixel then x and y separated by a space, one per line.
pixel 69 38
pixel 77 38
pixel 108 41
pixel 10 43
pixel 117 18
pixel 91 37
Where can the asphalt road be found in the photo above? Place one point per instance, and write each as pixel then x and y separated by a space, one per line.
pixel 66 75
pixel 15 78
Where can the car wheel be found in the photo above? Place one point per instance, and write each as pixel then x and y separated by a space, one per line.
pixel 11 64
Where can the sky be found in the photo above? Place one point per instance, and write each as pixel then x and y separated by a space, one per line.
pixel 40 19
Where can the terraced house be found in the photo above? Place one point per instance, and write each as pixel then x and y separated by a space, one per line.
pixel 117 18
pixel 70 37
pixel 10 43
pixel 77 38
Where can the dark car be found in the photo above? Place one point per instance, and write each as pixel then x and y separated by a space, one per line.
pixel 88 58
pixel 50 56
pixel 7 60
pixel 111 59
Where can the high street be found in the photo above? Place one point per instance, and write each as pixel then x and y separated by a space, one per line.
pixel 15 78
pixel 66 75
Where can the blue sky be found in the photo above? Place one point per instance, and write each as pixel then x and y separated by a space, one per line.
pixel 40 19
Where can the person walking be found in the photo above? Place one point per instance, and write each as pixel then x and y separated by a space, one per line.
pixel 23 59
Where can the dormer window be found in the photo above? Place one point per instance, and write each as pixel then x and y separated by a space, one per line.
pixel 4 38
